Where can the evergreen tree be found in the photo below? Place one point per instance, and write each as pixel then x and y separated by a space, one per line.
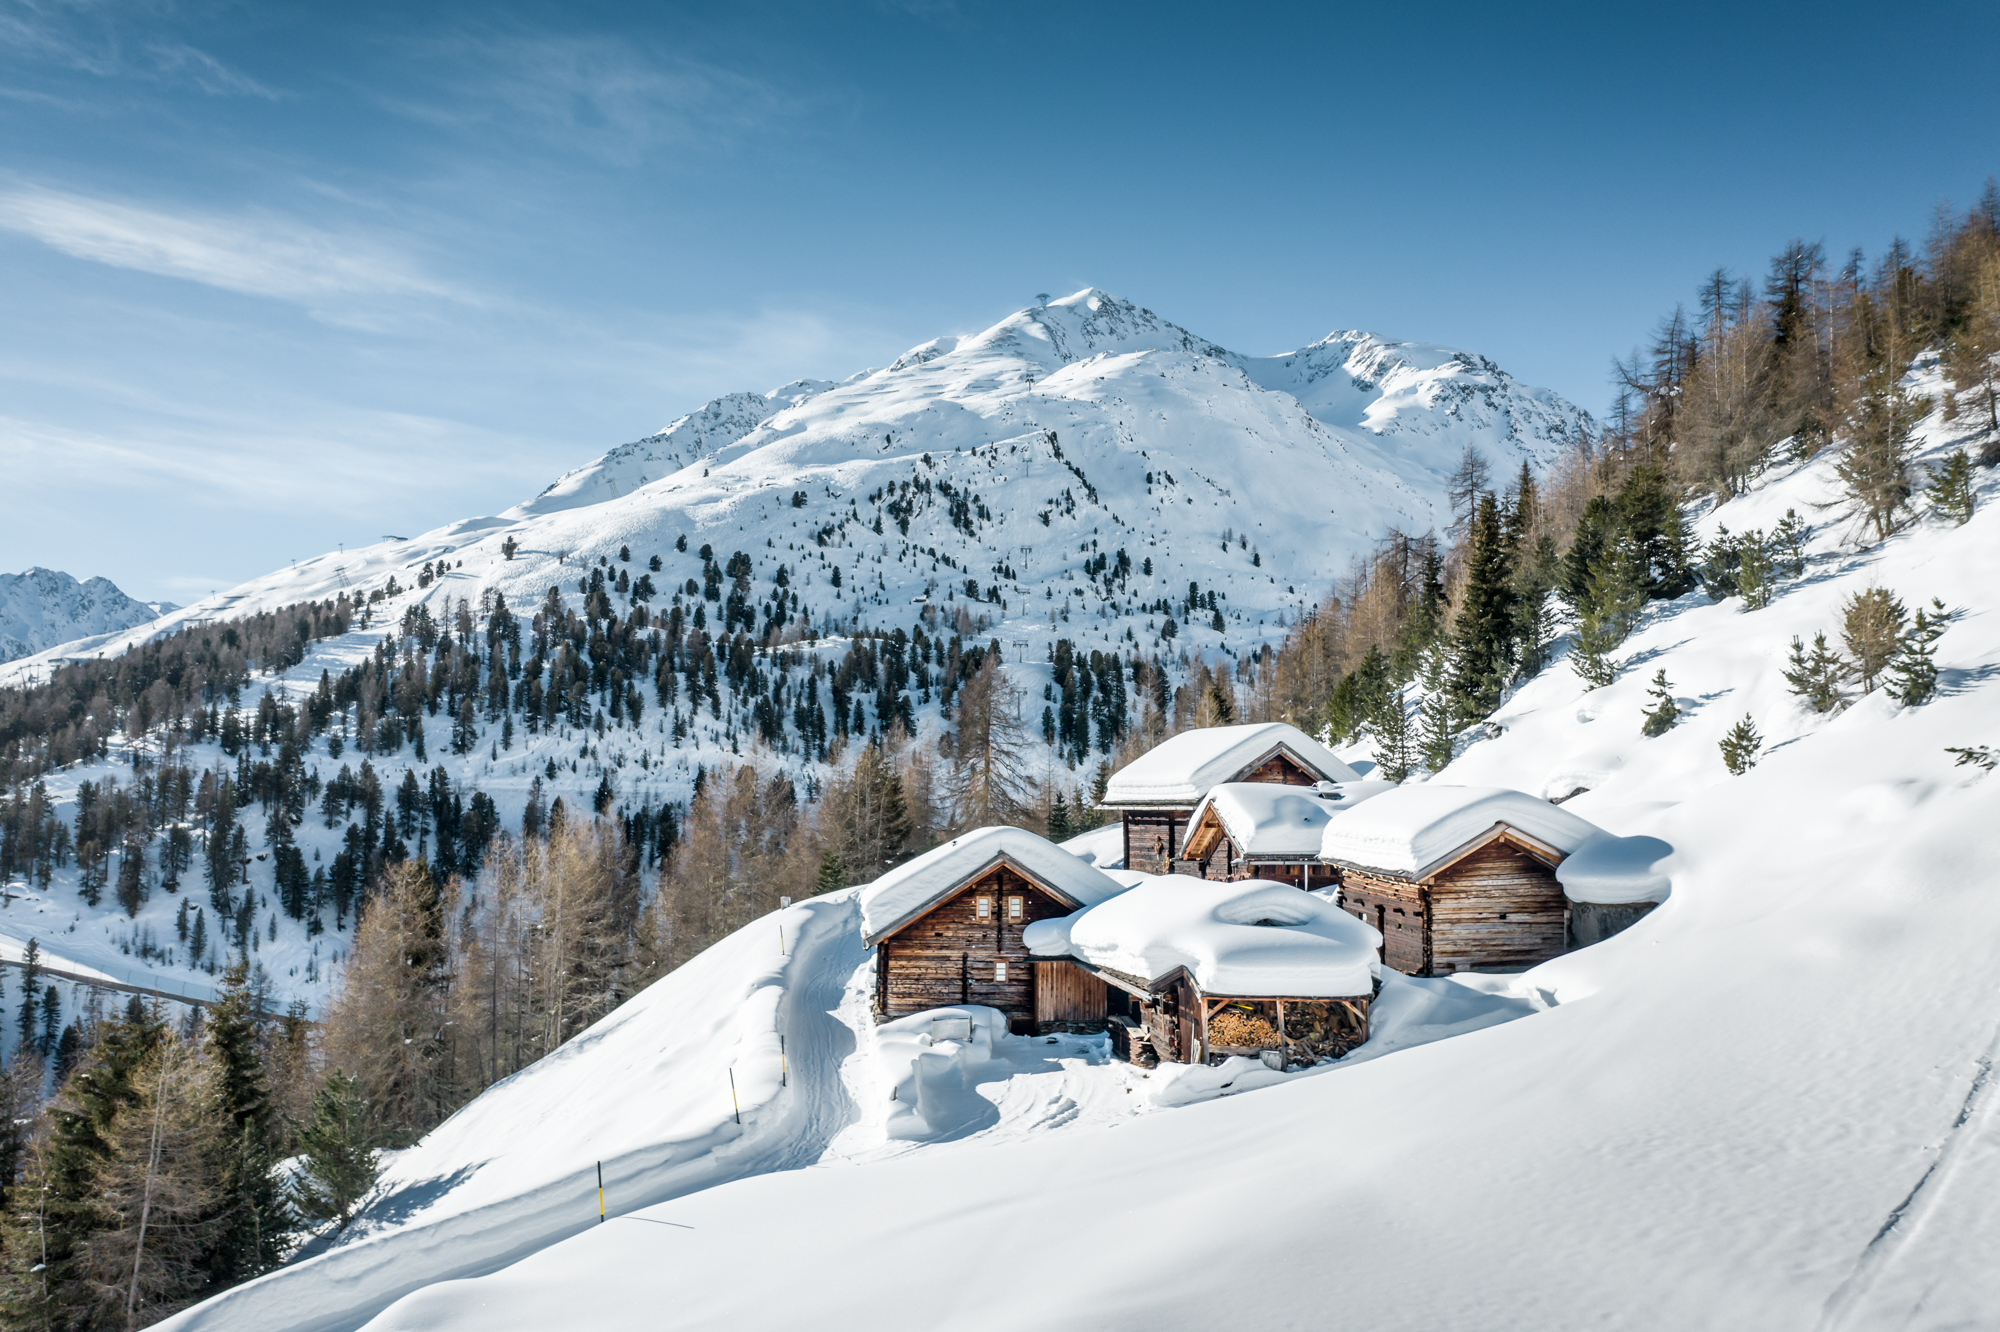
pixel 27 1018
pixel 1662 716
pixel 1755 571
pixel 1741 746
pixel 1610 608
pixel 1913 671
pixel 1815 676
pixel 253 1218
pixel 1872 630
pixel 337 1163
pixel 1436 732
pixel 1483 633
pixel 1950 490
pixel 832 874
pixel 1788 544
pixel 1395 743
pixel 1058 819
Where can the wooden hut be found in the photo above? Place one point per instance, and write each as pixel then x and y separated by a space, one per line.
pixel 1260 830
pixel 1457 878
pixel 1198 971
pixel 946 929
pixel 1156 793
pixel 1612 883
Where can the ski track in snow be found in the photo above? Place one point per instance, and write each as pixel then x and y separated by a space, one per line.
pixel 1852 1304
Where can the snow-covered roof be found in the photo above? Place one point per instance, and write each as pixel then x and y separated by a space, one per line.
pixel 1304 947
pixel 1181 769
pixel 1411 830
pixel 1103 847
pixel 909 890
pixel 1281 822
pixel 1616 871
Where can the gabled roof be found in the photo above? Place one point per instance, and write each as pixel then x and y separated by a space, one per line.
pixel 908 891
pixel 1414 831
pixel 1250 938
pixel 1270 821
pixel 1182 769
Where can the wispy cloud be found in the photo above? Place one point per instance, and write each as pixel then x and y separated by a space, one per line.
pixel 111 42
pixel 257 254
pixel 601 95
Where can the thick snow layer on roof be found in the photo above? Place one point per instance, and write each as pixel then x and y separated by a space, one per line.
pixel 1615 871
pixel 908 889
pixel 1267 819
pixel 1181 769
pixel 1103 847
pixel 1305 946
pixel 1410 829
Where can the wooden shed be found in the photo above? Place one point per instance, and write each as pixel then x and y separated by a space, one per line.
pixel 1457 878
pixel 946 929
pixel 1156 793
pixel 1195 972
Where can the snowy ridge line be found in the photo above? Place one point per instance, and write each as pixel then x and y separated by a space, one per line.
pixel 346 1285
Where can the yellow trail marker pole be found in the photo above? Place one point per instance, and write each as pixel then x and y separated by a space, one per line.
pixel 600 1193
pixel 784 1073
pixel 781 938
pixel 732 1097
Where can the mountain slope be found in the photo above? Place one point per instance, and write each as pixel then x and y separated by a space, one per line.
pixel 43 608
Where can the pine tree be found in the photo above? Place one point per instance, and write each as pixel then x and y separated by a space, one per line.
pixel 1662 716
pixel 1437 734
pixel 1395 745
pixel 1610 609
pixel 26 1016
pixel 1483 633
pixel 1058 820
pixel 1913 671
pixel 1755 570
pixel 1950 490
pixel 1741 746
pixel 1815 676
pixel 252 1218
pixel 1872 630
pixel 337 1163
pixel 832 874
pixel 1788 544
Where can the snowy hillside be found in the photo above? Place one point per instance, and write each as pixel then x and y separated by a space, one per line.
pixel 1769 1104
pixel 44 608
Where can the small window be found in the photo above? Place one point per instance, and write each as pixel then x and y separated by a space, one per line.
pixel 1014 909
pixel 1000 971
pixel 984 907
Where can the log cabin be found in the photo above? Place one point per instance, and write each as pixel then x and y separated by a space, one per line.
pixel 1457 878
pixel 1261 830
pixel 1156 793
pixel 946 929
pixel 1196 971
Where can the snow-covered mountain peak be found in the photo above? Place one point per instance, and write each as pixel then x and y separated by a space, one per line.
pixel 44 608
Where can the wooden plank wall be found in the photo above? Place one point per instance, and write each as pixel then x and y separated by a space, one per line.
pixel 1065 992
pixel 1499 909
pixel 948 955
pixel 1396 907
pixel 1153 838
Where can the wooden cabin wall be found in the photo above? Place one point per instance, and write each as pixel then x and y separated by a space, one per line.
pixel 1153 838
pixel 1499 909
pixel 1399 909
pixel 948 955
pixel 1069 998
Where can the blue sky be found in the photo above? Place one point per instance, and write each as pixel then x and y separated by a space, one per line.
pixel 279 276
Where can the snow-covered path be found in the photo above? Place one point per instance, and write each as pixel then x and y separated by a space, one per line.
pixel 515 1171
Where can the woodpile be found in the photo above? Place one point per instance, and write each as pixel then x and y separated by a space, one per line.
pixel 1240 1025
